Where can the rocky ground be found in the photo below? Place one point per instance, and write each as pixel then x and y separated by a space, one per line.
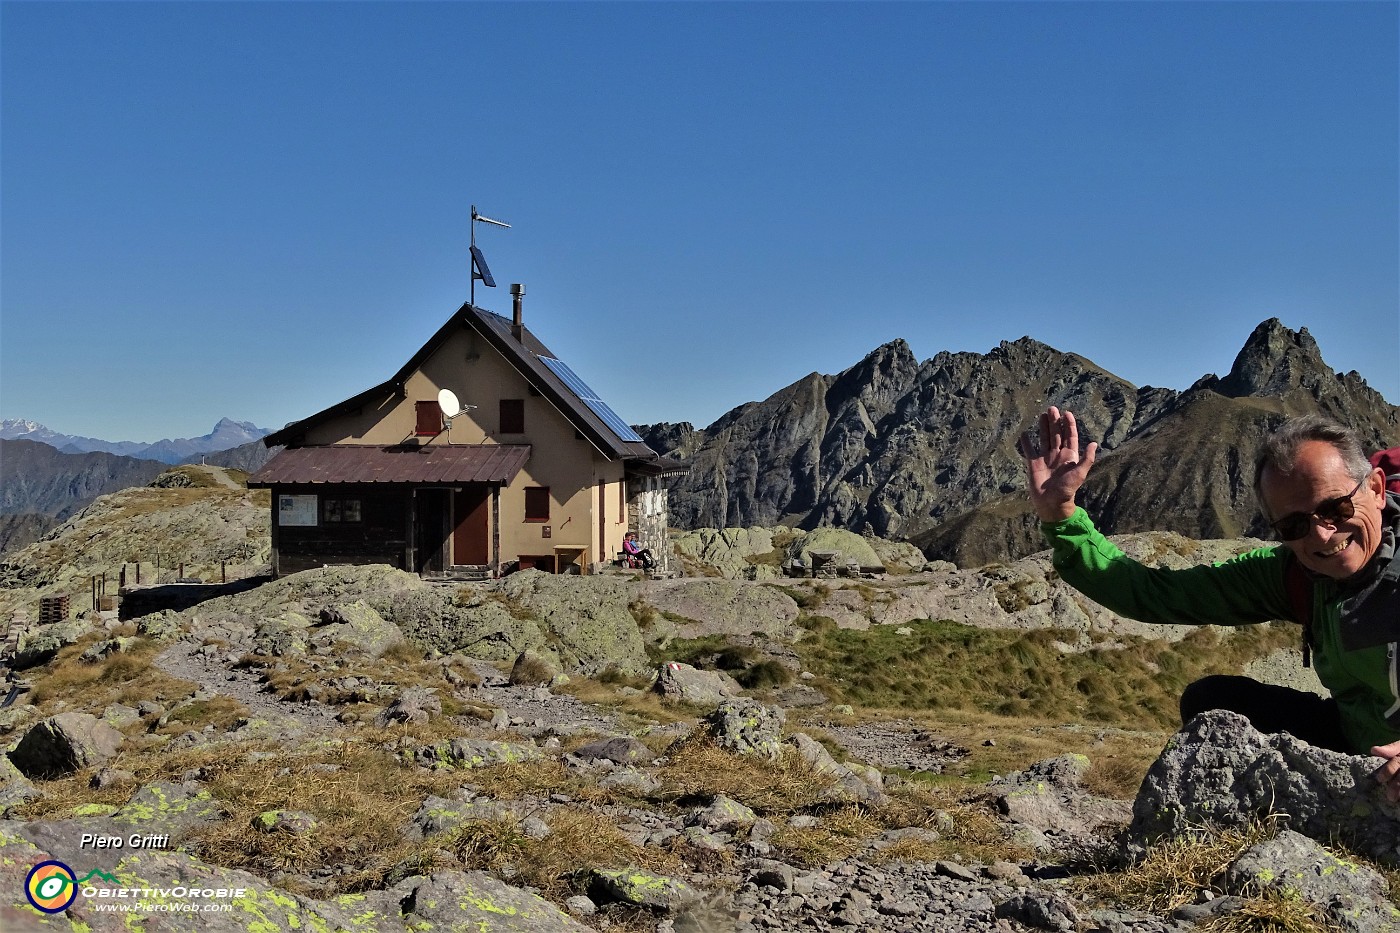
pixel 308 662
pixel 355 748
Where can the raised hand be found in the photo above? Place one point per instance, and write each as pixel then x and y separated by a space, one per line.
pixel 1054 468
pixel 1386 773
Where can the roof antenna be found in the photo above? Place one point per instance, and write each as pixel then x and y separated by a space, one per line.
pixel 479 268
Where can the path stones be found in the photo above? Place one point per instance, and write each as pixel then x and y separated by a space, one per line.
pixel 414 705
pixel 475 753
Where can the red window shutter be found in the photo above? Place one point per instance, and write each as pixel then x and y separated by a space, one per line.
pixel 536 503
pixel 429 421
pixel 512 416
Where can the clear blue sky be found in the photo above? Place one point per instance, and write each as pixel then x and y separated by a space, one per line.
pixel 259 209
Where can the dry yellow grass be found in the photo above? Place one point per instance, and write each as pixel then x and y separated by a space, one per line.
pixel 360 797
pixel 770 787
pixel 121 677
pixel 1175 871
pixel 839 835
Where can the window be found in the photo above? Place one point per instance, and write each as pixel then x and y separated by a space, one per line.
pixel 512 416
pixel 622 500
pixel 429 419
pixel 536 503
pixel 340 511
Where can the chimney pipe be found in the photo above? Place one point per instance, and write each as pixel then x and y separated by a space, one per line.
pixel 517 294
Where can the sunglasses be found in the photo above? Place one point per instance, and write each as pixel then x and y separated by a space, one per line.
pixel 1297 525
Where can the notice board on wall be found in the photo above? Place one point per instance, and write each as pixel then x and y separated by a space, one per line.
pixel 296 510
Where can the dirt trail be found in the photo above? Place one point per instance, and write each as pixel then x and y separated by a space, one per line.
pixel 218 474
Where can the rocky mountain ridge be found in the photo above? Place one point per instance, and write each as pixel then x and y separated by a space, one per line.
pixel 41 487
pixel 226 434
pixel 926 451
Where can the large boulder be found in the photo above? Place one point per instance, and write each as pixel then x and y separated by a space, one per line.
pixel 586 620
pixel 479 624
pixel 65 743
pixel 43 643
pixel 850 545
pixel 898 556
pixel 697 608
pixel 1220 770
pixel 357 624
pixel 725 549
pixel 678 681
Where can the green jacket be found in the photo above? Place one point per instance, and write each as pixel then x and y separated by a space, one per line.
pixel 1248 588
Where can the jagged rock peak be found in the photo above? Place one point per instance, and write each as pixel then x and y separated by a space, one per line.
pixel 1274 360
pixel 886 371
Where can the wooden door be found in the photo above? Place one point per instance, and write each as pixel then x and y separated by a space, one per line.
pixel 471 538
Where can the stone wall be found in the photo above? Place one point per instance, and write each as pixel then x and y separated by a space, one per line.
pixel 648 514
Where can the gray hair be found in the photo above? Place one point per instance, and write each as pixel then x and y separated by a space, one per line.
pixel 1280 450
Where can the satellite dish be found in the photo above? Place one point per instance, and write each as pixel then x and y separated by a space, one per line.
pixel 447 401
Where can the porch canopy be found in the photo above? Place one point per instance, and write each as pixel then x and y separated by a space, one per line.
pixel 356 463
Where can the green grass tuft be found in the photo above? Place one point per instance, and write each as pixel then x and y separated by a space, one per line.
pixel 947 666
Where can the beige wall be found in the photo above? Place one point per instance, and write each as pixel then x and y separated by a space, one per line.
pixel 568 464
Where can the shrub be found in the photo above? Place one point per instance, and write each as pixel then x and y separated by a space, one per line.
pixel 765 674
pixel 735 657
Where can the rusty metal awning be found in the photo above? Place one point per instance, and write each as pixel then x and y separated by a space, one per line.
pixel 352 463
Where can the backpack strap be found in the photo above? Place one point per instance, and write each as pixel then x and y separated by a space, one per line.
pixel 1300 600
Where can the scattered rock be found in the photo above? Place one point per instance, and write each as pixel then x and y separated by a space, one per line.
pixel 655 892
pixel 533 668
pixel 747 727
pixel 677 681
pixel 357 624
pixel 475 753
pixel 622 750
pixel 414 705
pixel 15 788
pixel 1219 770
pixel 291 822
pixel 65 743
pixel 1352 898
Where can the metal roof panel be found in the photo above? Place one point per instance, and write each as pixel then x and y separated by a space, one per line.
pixel 353 463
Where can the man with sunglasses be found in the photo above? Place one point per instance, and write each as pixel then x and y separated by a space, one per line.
pixel 1338 529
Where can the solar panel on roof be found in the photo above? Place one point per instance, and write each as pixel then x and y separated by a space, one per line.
pixel 482 272
pixel 590 398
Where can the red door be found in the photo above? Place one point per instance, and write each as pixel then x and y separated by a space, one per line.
pixel 471 536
